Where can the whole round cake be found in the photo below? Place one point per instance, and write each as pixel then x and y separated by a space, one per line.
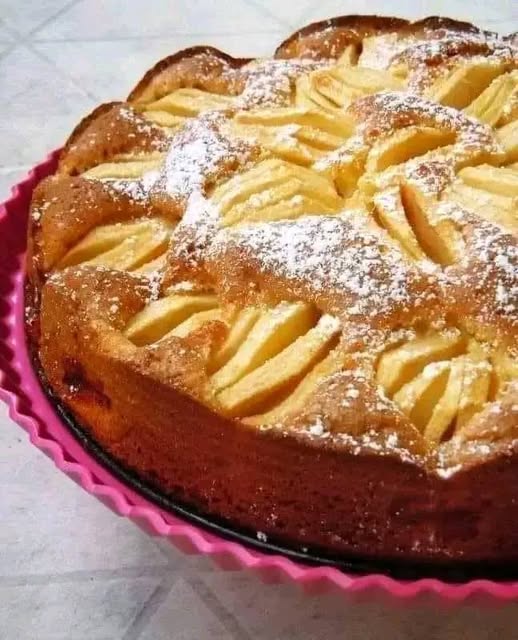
pixel 284 291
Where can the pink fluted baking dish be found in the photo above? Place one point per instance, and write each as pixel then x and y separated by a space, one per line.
pixel 32 410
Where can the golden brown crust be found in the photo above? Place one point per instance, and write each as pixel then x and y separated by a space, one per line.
pixel 199 67
pixel 438 23
pixel 305 266
pixel 328 38
pixel 110 129
pixel 65 199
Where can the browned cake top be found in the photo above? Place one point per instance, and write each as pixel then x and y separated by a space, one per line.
pixel 323 243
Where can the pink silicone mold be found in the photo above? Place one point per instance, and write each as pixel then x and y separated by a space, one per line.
pixel 31 409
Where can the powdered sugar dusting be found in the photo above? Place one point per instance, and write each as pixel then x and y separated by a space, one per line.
pixel 384 112
pixel 335 256
pixel 431 176
pixel 269 83
pixel 427 59
pixel 494 258
pixel 196 230
pixel 198 154
pixel 137 190
pixel 142 127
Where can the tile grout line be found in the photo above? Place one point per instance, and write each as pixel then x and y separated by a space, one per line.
pixel 52 17
pixel 225 617
pixel 27 40
pixel 31 46
pixel 10 47
pixel 83 575
pixel 149 608
pixel 165 547
pixel 267 12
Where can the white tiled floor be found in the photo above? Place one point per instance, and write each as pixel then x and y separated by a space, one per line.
pixel 69 568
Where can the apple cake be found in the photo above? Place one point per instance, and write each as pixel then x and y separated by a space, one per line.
pixel 284 291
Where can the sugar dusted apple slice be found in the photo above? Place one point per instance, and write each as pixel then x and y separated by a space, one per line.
pixel 161 316
pixel 238 189
pixel 446 394
pixel 281 141
pixel 492 103
pixel 165 119
pixel 401 364
pixel 152 267
pixel 391 214
pixel 274 330
pixel 290 148
pixel 318 139
pixel 465 83
pixel 447 405
pixel 189 102
pixel 267 176
pixel 136 250
pixel 251 392
pixel 283 201
pixel 102 239
pixel 367 80
pixel 333 89
pixel 194 323
pixel 348 166
pixel 307 97
pixel 123 246
pixel 437 234
pixel 240 327
pixel 418 397
pixel 340 124
pixel 501 180
pixel 405 144
pixel 290 201
pixel 475 388
pixel 490 206
pixel 275 189
pixel 122 170
pixel 342 84
pixel 306 387
pixel 507 136
pixel 297 143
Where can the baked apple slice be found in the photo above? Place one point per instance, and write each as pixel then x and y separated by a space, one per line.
pixel 162 316
pixel 250 393
pixel 274 330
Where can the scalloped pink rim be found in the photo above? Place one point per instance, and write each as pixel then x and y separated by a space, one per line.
pixel 30 408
